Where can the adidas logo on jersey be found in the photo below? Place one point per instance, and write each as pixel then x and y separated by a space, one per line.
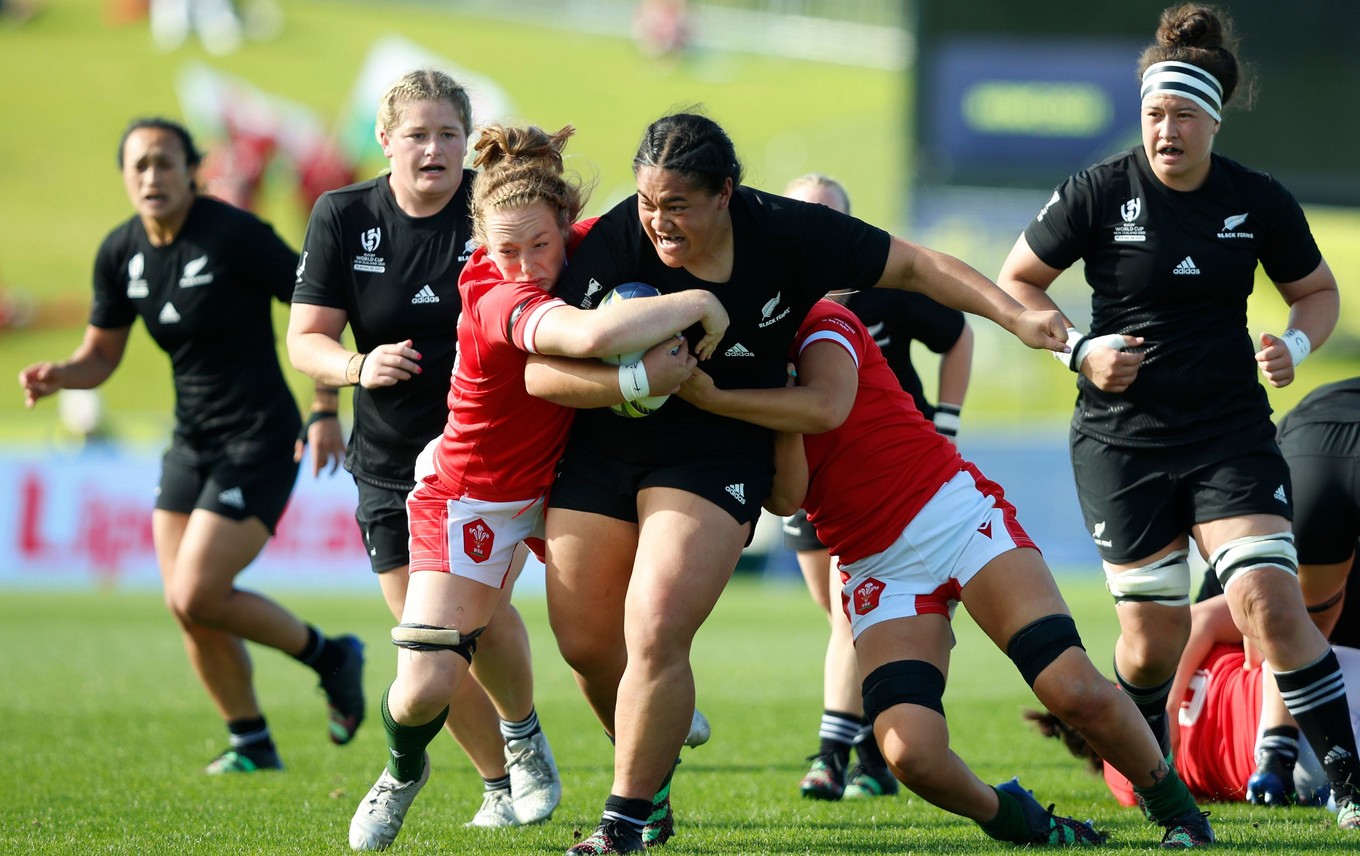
pixel 425 295
pixel 233 497
pixel 738 492
pixel 168 314
pixel 738 350
pixel 1279 494
pixel 1187 266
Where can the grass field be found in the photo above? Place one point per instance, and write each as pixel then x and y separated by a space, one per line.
pixel 105 730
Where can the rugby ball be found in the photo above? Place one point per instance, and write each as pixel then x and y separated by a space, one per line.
pixel 649 404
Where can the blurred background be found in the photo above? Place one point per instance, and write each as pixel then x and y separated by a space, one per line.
pixel 949 121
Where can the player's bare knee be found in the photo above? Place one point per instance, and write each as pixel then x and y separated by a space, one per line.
pixel 1082 701
pixel 1038 644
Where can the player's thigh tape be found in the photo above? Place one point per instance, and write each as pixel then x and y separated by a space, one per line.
pixel 903 682
pixel 1165 581
pixel 1035 646
pixel 1253 552
pixel 428 637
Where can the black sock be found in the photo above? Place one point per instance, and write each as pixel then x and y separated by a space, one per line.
pixel 867 748
pixel 319 653
pixel 1278 752
pixel 1316 696
pixel 501 784
pixel 630 811
pixel 837 733
pixel 1151 703
pixel 249 735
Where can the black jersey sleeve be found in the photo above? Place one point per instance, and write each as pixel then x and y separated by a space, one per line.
pixel 835 249
pixel 1289 252
pixel 318 275
pixel 934 325
pixel 606 257
pixel 275 262
pixel 111 309
pixel 1060 232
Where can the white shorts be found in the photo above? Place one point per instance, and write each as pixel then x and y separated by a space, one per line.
pixel 965 525
pixel 468 537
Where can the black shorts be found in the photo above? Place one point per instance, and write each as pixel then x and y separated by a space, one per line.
pixel 383 523
pixel 238 492
pixel 599 485
pixel 1135 501
pixel 799 535
pixel 1324 464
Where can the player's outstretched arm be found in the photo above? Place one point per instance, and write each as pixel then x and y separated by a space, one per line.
pixel 92 362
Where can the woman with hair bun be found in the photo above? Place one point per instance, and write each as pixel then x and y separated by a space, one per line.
pixel 482 485
pixel 1171 437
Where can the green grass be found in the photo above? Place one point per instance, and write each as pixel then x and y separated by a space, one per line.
pixel 105 730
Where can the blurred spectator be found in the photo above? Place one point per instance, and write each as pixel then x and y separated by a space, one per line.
pixel 15 12
pixel 662 28
pixel 221 25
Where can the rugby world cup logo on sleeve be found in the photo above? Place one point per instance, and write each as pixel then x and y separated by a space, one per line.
pixel 478 540
pixel 866 596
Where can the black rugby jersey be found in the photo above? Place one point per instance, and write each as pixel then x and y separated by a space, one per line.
pixel 896 318
pixel 1334 402
pixel 205 300
pixel 1175 267
pixel 396 277
pixel 788 254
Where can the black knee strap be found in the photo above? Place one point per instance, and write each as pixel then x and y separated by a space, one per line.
pixel 1328 603
pixel 1035 646
pixel 903 682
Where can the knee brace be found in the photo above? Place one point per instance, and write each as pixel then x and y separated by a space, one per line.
pixel 427 637
pixel 1035 646
pixel 1165 581
pixel 903 682
pixel 1252 552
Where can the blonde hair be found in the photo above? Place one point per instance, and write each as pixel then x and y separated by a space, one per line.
pixel 816 179
pixel 426 84
pixel 521 166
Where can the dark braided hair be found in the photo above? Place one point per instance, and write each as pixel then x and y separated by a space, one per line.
pixel 692 145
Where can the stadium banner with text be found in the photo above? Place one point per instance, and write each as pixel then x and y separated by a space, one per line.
pixel 84 519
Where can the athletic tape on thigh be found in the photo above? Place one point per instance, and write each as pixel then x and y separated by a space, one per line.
pixel 1035 646
pixel 1252 552
pixel 903 682
pixel 428 637
pixel 1165 581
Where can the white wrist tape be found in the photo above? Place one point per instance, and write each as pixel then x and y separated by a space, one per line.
pixel 1113 341
pixel 947 420
pixel 1298 343
pixel 1074 337
pixel 633 381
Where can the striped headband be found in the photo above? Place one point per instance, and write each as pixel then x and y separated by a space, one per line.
pixel 1187 81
